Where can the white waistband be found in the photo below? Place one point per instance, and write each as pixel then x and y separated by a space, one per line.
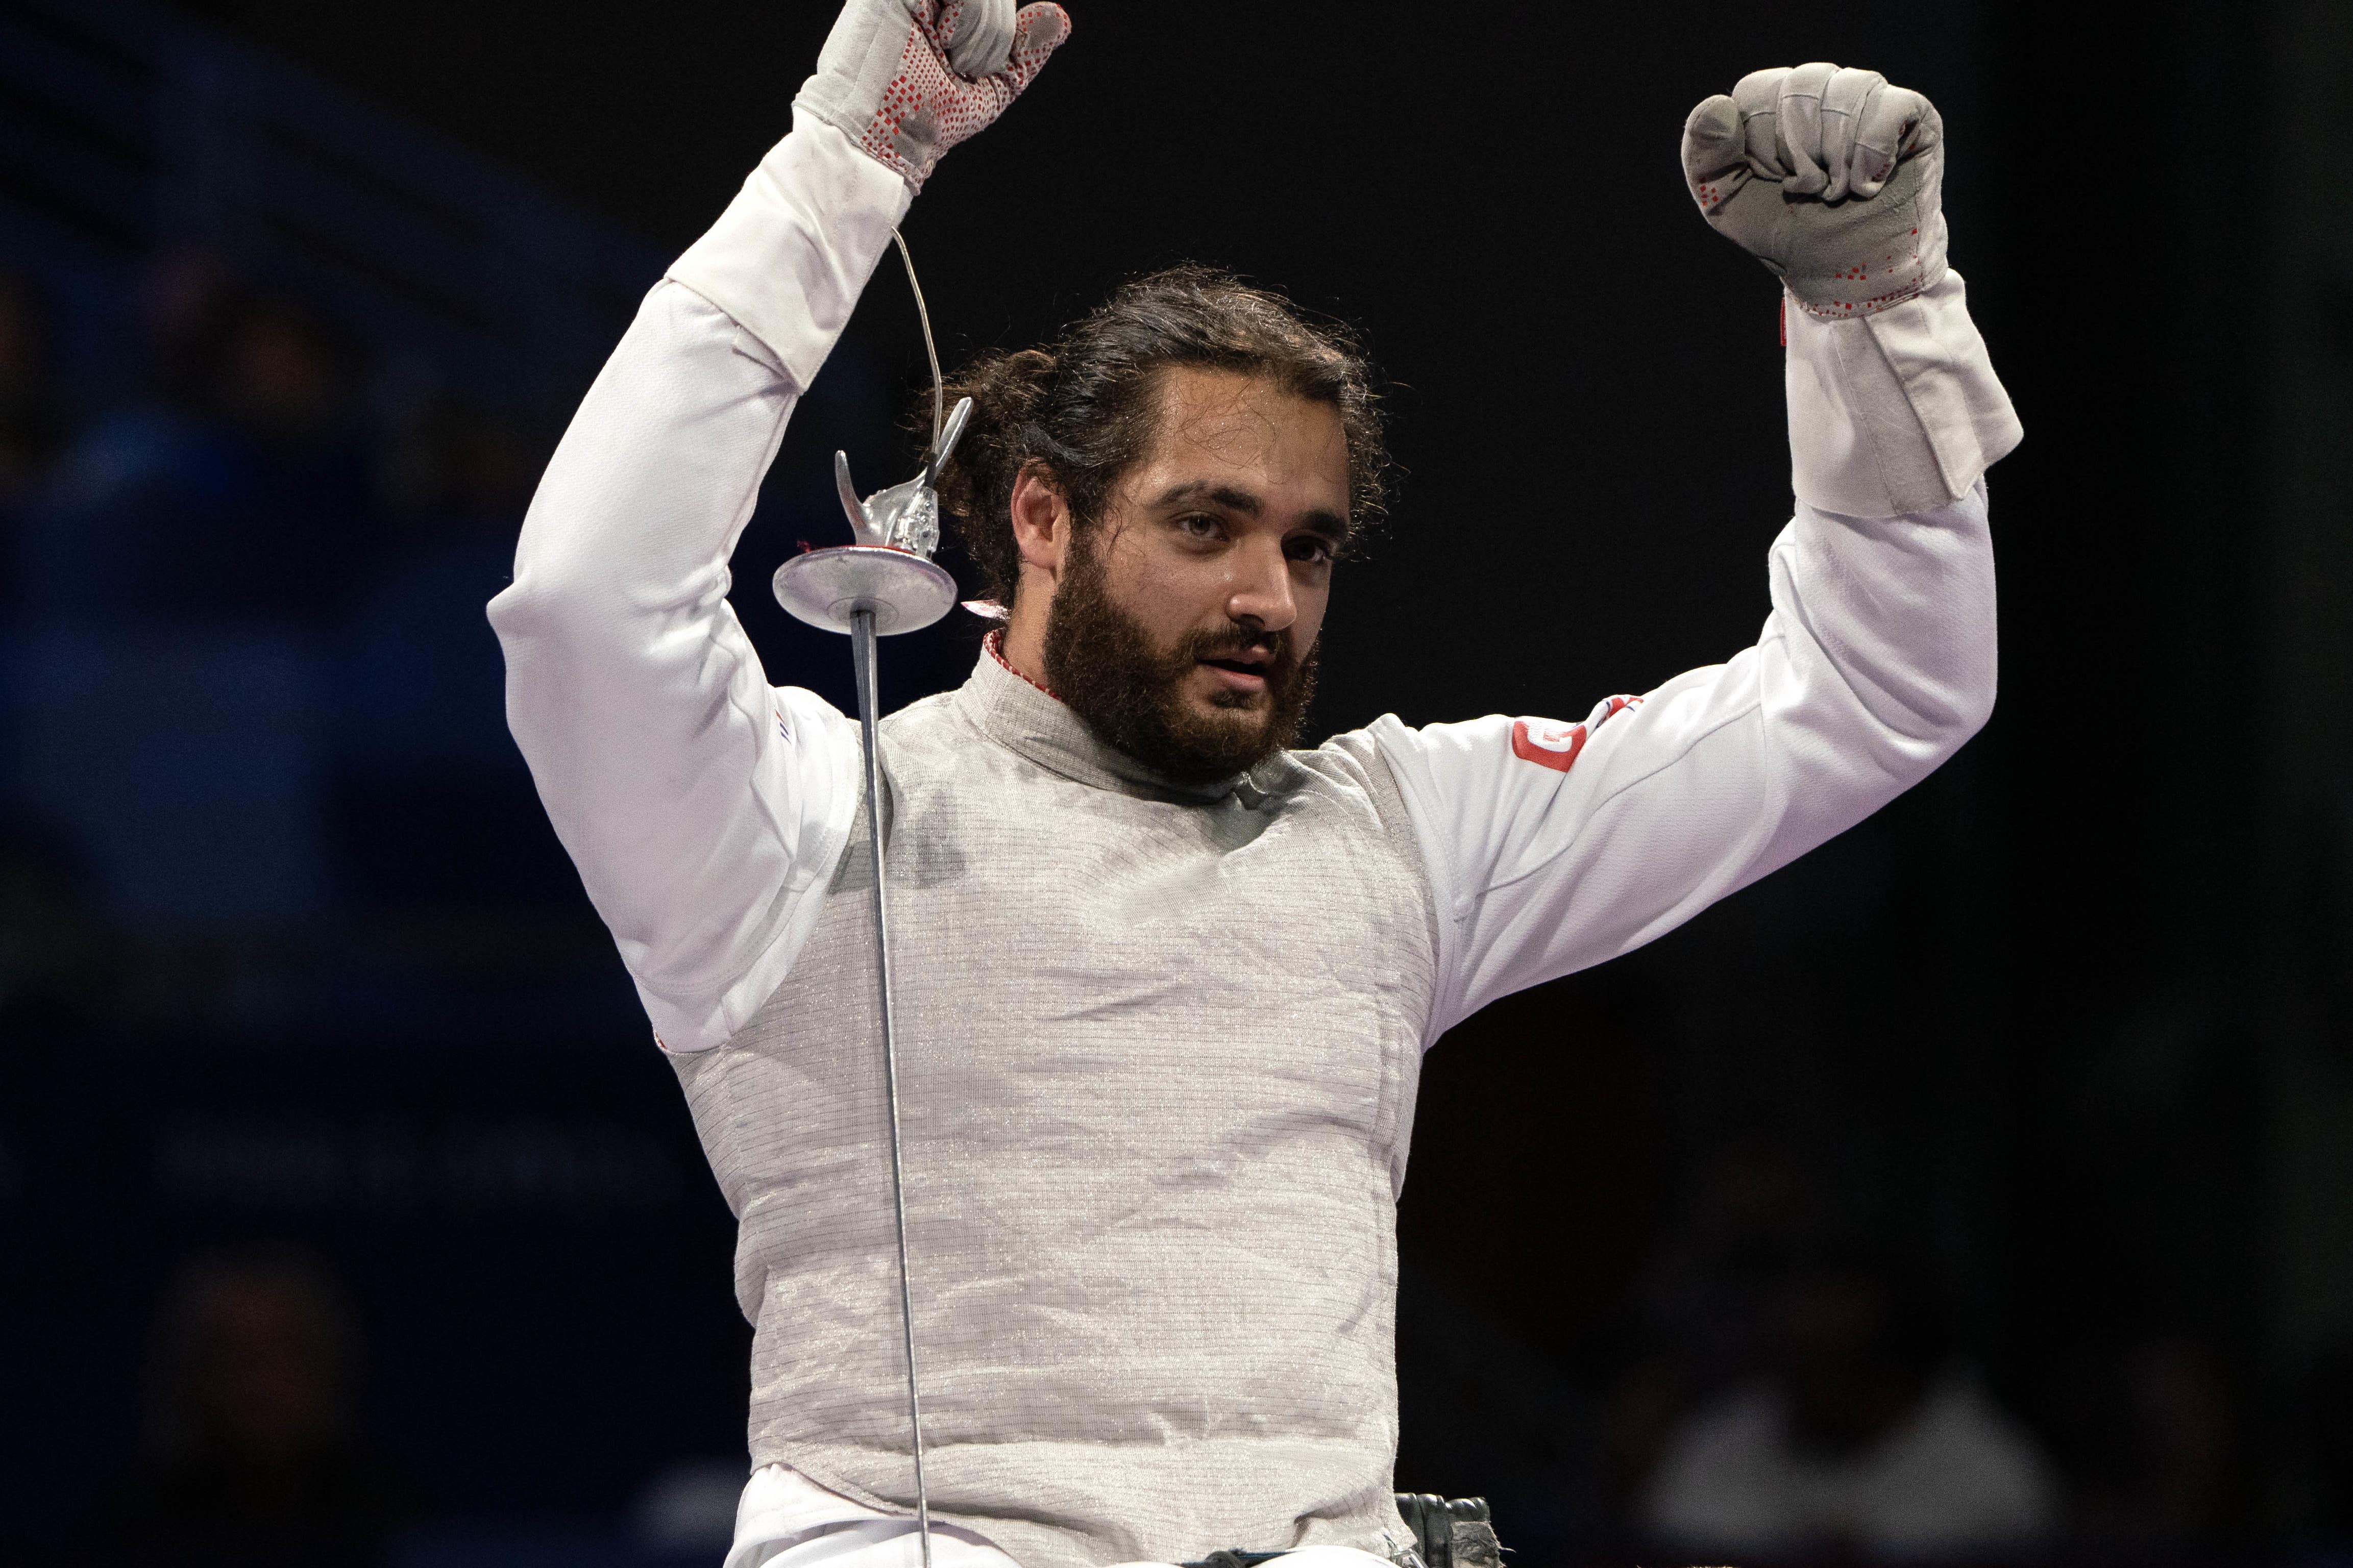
pixel 788 1520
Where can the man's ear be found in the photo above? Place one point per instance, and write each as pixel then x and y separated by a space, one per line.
pixel 1041 520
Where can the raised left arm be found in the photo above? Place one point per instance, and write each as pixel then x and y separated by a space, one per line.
pixel 1552 846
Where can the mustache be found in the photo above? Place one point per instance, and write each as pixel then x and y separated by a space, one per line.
pixel 1281 654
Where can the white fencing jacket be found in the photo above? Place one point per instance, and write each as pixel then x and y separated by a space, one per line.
pixel 712 817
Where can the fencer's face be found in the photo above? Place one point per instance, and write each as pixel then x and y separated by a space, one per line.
pixel 1186 623
pixel 1230 522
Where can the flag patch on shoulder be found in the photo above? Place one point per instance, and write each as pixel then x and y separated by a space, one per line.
pixel 1547 744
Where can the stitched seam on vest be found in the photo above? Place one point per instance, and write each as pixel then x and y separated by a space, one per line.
pixel 1389 799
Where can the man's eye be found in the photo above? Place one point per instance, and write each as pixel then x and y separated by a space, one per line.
pixel 1199 525
pixel 1310 549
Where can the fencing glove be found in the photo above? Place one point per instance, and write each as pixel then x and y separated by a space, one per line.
pixel 907 79
pixel 1831 177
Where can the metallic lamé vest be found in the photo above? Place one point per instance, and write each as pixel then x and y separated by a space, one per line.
pixel 1159 1053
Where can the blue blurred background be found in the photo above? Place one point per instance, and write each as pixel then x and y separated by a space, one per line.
pixel 349 1214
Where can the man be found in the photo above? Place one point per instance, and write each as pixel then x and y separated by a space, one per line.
pixel 1165 982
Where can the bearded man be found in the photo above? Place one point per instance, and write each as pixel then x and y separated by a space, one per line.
pixel 1166 982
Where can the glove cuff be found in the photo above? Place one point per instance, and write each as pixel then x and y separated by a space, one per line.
pixel 1896 413
pixel 847 107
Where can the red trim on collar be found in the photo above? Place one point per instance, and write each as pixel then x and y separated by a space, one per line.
pixel 995 642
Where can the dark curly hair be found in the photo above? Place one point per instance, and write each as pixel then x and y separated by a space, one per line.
pixel 1085 406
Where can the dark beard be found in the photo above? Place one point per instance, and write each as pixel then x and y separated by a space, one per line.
pixel 1100 663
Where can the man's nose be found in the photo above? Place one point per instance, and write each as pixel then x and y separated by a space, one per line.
pixel 1259 593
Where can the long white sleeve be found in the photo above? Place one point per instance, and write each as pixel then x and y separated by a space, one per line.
pixel 1552 846
pixel 703 807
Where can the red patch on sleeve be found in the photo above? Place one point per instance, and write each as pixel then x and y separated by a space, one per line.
pixel 1553 746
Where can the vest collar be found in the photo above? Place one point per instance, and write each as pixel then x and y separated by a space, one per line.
pixel 1027 719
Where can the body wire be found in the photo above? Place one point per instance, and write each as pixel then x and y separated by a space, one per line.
pixel 931 350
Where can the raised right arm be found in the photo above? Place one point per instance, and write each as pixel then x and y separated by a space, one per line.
pixel 699 804
pixel 704 808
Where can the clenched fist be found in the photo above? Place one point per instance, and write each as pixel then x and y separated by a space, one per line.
pixel 1831 177
pixel 907 79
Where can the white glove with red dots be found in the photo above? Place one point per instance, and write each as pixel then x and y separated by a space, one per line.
pixel 907 79
pixel 1831 177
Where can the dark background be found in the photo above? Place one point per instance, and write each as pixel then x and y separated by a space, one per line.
pixel 2069 1028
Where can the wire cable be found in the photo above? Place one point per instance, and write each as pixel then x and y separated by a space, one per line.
pixel 931 349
